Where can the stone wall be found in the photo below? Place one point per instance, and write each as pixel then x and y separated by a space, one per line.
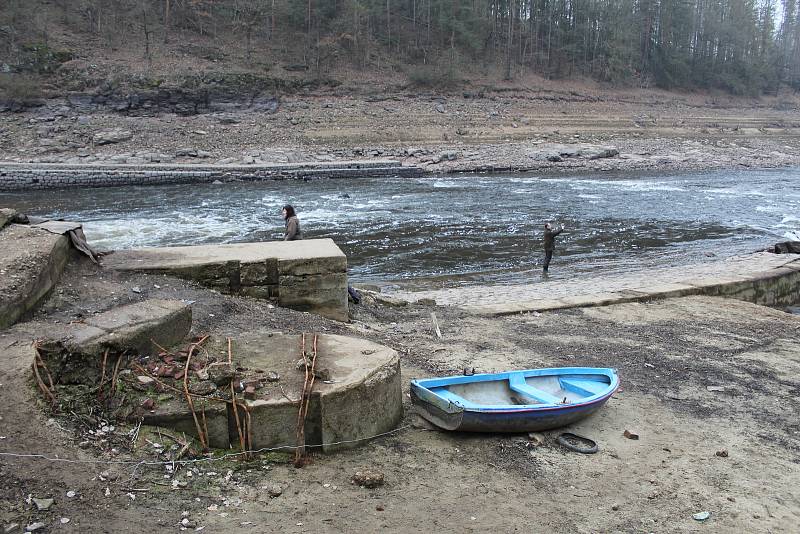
pixel 21 177
pixel 777 287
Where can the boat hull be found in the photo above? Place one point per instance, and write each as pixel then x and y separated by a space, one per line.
pixel 451 416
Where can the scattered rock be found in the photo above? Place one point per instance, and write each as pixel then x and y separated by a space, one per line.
pixel 630 435
pixel 715 388
pixel 250 393
pixel 43 504
pixel 112 136
pixel 221 373
pixel 603 152
pixel 389 301
pixel 272 376
pixel 368 479
pixel 701 516
pixel 274 490
pixel 71 494
pixel 615 507
pixel 722 454
pixel 440 108
pixel 204 387
pixel 64 520
pixel 323 374
pixel 228 119
pixel 536 438
pixel 148 404
pixel 11 527
pixel 33 527
pixel 145 380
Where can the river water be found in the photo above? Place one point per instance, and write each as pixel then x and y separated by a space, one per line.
pixel 443 231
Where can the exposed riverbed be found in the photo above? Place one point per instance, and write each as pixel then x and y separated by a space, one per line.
pixel 456 230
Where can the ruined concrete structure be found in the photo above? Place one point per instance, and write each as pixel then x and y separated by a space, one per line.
pixel 308 275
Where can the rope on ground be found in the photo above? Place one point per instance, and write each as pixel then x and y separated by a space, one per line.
pixel 37 456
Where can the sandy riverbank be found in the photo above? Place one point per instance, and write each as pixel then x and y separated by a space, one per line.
pixel 700 376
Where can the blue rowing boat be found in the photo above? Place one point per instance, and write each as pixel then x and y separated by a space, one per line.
pixel 514 401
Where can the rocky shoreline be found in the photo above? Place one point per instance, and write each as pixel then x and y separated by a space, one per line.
pixel 496 133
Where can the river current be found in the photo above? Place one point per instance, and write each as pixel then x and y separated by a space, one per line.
pixel 442 231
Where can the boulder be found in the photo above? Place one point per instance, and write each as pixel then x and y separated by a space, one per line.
pixel 7 216
pixel 108 137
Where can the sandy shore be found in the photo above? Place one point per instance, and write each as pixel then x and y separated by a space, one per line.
pixel 709 385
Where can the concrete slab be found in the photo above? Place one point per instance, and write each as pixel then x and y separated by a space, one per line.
pixel 357 397
pixel 321 252
pixel 761 278
pixel 58 227
pixel 75 355
pixel 30 265
pixel 307 275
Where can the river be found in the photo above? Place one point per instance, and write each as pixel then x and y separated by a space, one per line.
pixel 443 231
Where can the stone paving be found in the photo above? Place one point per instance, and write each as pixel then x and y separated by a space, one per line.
pixel 721 277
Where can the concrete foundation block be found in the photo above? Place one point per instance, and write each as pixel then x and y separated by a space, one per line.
pixel 176 416
pixel 31 270
pixel 136 326
pixel 313 271
pixel 274 422
pixel 325 294
pixel 260 273
pixel 362 399
pixel 367 409
pixel 76 356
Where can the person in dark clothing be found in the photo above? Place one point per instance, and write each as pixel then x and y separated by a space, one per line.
pixel 550 243
pixel 292 232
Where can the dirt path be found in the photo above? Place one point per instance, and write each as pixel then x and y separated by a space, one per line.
pixel 667 353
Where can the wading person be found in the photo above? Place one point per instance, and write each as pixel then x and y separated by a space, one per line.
pixel 292 232
pixel 549 243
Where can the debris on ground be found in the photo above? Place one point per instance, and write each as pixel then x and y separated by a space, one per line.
pixel 368 479
pixel 701 516
pixel 536 439
pixel 630 435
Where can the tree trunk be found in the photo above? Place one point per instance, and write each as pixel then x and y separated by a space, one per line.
pixel 509 39
pixel 166 21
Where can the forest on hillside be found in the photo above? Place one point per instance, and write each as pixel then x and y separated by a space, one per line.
pixel 746 47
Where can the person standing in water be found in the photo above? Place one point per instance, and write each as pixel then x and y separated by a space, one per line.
pixel 549 243
pixel 292 232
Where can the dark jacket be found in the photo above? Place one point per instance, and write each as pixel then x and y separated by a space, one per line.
pixel 292 232
pixel 550 238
